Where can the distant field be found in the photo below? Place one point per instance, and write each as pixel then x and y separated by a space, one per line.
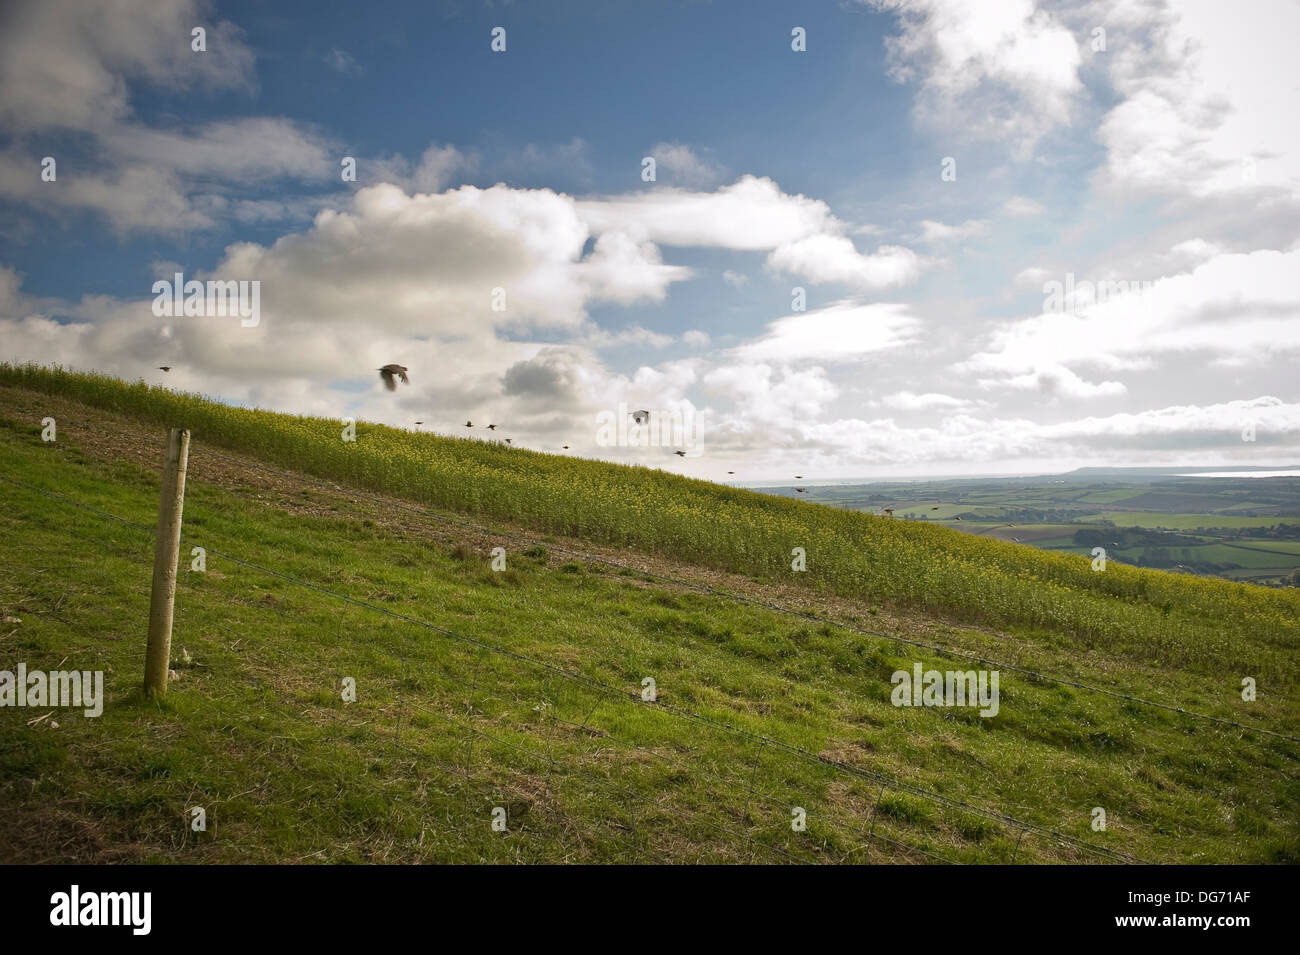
pixel 1029 533
pixel 1161 530
pixel 1186 521
pixel 1276 554
pixel 1108 497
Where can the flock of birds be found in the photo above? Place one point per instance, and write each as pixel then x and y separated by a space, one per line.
pixel 392 373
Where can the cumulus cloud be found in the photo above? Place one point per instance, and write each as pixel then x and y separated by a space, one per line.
pixel 66 65
pixel 753 214
pixel 67 71
pixel 1200 91
pixel 769 398
pixel 1011 64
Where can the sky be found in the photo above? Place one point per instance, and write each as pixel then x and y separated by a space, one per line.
pixel 833 238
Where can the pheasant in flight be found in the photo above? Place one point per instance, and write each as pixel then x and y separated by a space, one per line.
pixel 390 374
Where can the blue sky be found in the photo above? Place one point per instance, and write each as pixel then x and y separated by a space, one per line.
pixel 1162 157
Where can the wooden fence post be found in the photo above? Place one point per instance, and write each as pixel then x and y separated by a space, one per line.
pixel 167 542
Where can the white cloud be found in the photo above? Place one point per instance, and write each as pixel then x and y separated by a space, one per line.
pixel 1194 251
pixel 67 71
pixel 930 401
pixel 1242 306
pixel 750 214
pixel 842 332
pixel 769 399
pixel 833 259
pixel 66 65
pixel 254 148
pixel 1188 433
pixel 1202 89
pixel 754 214
pixel 597 337
pixel 1053 380
pixel 1011 65
pixel 677 164
pixel 932 231
pixel 437 167
pixel 1033 276
pixel 736 279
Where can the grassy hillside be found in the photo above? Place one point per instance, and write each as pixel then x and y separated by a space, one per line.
pixel 1157 616
pixel 521 688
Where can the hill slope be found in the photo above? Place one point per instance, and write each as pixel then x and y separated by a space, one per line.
pixel 521 688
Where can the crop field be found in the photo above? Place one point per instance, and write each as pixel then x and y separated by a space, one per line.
pixel 1237 528
pixel 1185 522
pixel 523 687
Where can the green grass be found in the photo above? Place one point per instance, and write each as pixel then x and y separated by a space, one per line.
pixel 1143 613
pixel 445 729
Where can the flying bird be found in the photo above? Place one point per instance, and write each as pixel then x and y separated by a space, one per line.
pixel 565 448
pixel 731 472
pixel 640 417
pixel 508 441
pixel 798 477
pixel 802 490
pixel 164 367
pixel 492 427
pixel 390 374
pixel 469 424
pixel 680 454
